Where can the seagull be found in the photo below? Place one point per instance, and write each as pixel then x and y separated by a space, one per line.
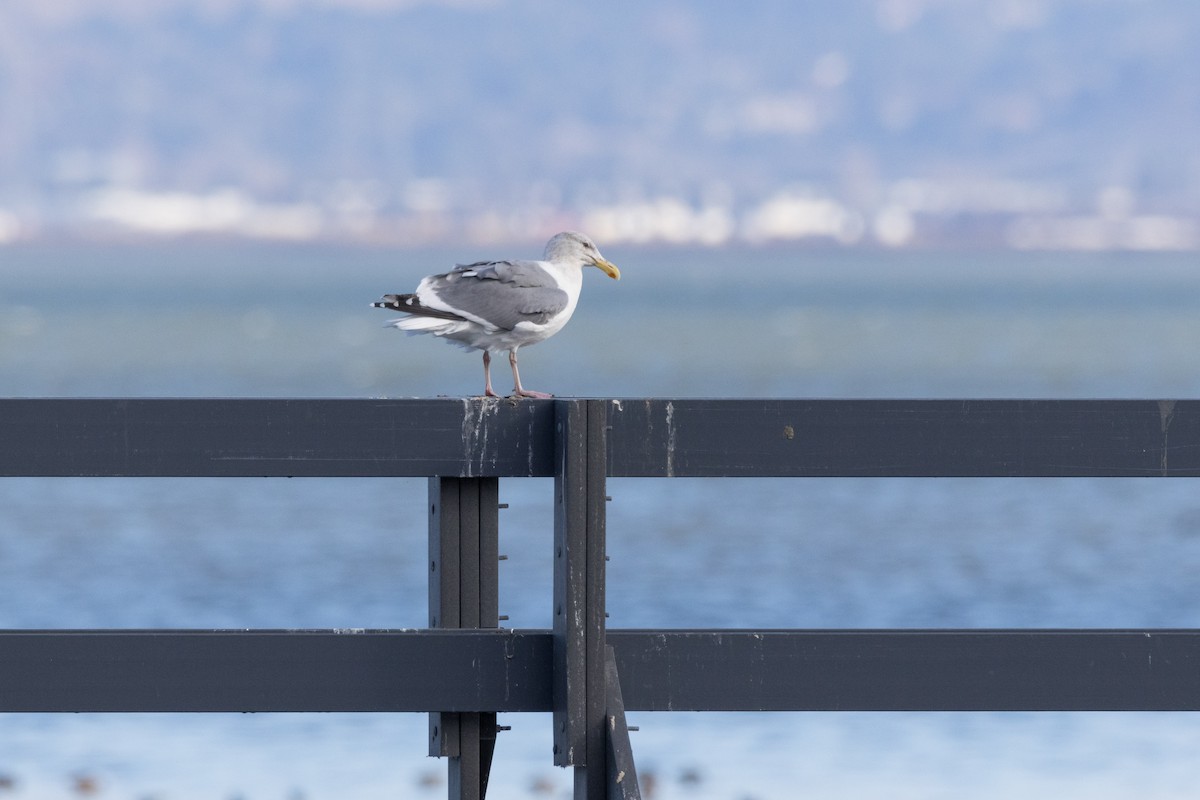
pixel 502 305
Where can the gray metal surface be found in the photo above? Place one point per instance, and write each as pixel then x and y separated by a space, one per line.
pixel 133 671
pixel 275 438
pixel 909 670
pixel 672 670
pixel 651 437
pixel 463 594
pixel 580 686
pixel 909 438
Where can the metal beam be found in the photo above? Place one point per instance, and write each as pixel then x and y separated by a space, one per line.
pixel 670 670
pixel 347 670
pixel 463 594
pixel 648 437
pixel 275 438
pixel 939 670
pixel 579 578
pixel 904 438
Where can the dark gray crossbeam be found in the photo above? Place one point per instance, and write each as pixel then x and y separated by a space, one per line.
pixel 937 670
pixel 415 670
pixel 677 670
pixel 651 437
pixel 904 438
pixel 275 438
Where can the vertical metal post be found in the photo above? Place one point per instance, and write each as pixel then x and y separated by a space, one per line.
pixel 464 593
pixel 444 598
pixel 579 576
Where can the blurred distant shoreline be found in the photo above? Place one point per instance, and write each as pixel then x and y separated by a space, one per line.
pixel 1062 125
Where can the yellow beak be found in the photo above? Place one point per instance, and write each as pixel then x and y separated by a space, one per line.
pixel 610 269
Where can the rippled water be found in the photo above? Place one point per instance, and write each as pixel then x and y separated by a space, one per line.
pixel 205 320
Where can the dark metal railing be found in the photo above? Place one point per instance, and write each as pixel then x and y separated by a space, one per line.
pixel 464 668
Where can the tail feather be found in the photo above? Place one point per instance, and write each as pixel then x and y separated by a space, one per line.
pixel 434 325
pixel 411 304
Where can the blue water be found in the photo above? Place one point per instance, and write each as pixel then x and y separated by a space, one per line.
pixel 209 320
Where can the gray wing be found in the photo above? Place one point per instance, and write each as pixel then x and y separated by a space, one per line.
pixel 503 293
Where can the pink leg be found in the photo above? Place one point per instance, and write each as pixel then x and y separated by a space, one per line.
pixel 519 390
pixel 487 375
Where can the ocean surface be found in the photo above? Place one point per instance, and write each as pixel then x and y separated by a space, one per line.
pixel 203 319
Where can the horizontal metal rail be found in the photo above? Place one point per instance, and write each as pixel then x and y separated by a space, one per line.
pixel 647 437
pixel 680 670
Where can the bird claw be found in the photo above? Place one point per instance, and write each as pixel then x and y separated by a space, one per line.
pixel 532 394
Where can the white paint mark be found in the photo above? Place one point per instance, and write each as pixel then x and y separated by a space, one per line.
pixel 475 432
pixel 1166 411
pixel 529 455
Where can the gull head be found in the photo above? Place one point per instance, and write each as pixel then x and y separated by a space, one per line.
pixel 570 247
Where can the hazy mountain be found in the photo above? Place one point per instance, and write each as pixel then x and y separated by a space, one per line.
pixel 373 106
